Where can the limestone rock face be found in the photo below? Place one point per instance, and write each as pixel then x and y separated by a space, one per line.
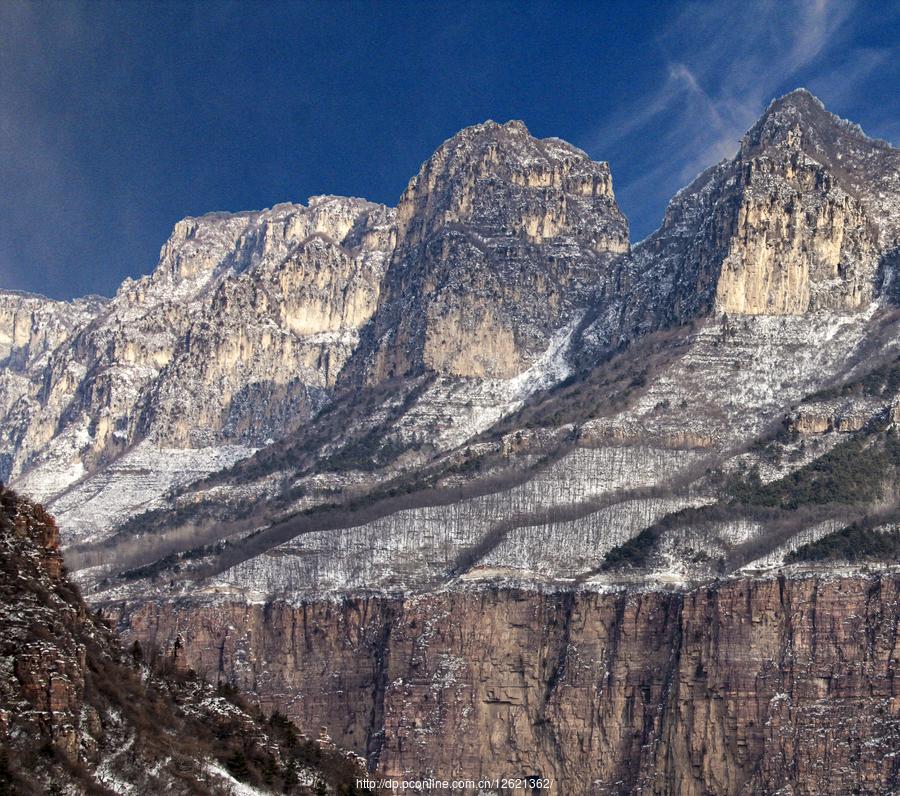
pixel 802 241
pixel 31 326
pixel 268 343
pixel 753 686
pixel 801 246
pixel 868 169
pixel 501 239
pixel 233 339
pixel 804 219
pixel 31 329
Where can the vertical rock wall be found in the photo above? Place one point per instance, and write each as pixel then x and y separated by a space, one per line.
pixel 751 686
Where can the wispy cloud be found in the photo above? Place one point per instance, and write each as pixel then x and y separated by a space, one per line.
pixel 723 63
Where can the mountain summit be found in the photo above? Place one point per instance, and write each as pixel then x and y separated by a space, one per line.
pixel 501 239
pixel 803 218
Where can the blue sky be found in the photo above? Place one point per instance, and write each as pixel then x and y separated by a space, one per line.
pixel 117 119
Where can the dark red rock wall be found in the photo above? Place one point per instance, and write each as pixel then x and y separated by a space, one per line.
pixel 752 686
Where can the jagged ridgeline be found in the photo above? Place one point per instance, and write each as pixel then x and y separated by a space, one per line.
pixel 476 480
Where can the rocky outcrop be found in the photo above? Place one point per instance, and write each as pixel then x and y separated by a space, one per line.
pixel 501 239
pixel 271 340
pixel 79 714
pixel 234 339
pixel 32 326
pixel 802 239
pixel 750 686
pixel 803 220
pixel 868 169
pixel 799 244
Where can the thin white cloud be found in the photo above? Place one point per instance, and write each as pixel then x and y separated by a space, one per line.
pixel 818 22
pixel 723 63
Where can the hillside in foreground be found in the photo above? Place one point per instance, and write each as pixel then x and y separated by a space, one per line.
pixel 80 713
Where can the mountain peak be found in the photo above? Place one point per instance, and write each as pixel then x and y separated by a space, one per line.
pixel 800 98
pixel 800 216
pixel 451 185
pixel 491 126
pixel 800 120
pixel 516 124
pixel 506 149
pixel 501 238
pixel 799 124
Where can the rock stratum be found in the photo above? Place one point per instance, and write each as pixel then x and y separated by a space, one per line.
pixel 485 490
pixel 782 685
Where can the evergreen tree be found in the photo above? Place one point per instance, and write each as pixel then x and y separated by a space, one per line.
pixel 237 766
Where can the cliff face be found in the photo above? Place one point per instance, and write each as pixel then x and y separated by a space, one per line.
pixel 802 221
pixel 31 326
pixel 802 239
pixel 79 714
pixel 504 271
pixel 799 243
pixel 270 341
pixel 235 338
pixel 501 239
pixel 750 686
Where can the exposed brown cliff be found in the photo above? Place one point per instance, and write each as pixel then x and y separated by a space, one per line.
pixel 749 686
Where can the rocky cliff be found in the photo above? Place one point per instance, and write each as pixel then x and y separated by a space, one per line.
pixel 750 686
pixel 270 341
pixel 79 714
pixel 235 339
pixel 504 271
pixel 802 220
pixel 665 375
pixel 501 239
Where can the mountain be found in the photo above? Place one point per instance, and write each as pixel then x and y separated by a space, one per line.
pixel 500 241
pixel 506 495
pixel 236 338
pixel 803 220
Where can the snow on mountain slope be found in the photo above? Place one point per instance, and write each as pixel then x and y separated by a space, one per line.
pixel 305 358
